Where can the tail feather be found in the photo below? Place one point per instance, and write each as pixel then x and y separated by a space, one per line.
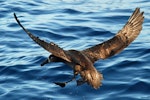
pixel 92 77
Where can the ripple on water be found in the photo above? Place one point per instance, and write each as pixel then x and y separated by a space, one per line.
pixel 75 24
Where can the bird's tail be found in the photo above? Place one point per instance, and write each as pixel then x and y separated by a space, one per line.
pixel 92 77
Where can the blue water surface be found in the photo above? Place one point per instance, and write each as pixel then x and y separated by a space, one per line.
pixel 72 24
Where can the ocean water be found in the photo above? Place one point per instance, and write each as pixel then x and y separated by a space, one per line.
pixel 72 24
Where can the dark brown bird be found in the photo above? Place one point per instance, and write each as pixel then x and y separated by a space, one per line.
pixel 82 61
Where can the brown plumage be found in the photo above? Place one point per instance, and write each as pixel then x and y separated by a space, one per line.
pixel 82 61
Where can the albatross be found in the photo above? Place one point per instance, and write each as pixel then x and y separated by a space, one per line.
pixel 82 61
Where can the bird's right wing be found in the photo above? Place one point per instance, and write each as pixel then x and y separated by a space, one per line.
pixel 121 40
pixel 50 47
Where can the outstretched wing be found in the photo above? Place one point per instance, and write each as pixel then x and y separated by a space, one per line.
pixel 50 47
pixel 121 40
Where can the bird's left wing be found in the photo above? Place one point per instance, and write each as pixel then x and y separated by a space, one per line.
pixel 50 47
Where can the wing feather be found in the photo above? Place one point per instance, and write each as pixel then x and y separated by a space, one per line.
pixel 121 40
pixel 50 47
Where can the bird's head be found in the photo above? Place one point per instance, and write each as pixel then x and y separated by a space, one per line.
pixel 51 58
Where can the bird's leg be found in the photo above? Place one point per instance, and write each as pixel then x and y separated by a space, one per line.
pixel 78 69
pixel 75 72
pixel 63 84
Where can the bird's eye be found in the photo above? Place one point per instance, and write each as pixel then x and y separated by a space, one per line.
pixel 51 58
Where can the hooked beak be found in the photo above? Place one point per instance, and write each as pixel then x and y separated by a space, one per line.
pixel 45 62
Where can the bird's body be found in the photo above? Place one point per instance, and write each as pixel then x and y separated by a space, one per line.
pixel 82 61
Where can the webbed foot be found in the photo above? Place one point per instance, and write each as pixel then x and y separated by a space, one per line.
pixel 61 84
